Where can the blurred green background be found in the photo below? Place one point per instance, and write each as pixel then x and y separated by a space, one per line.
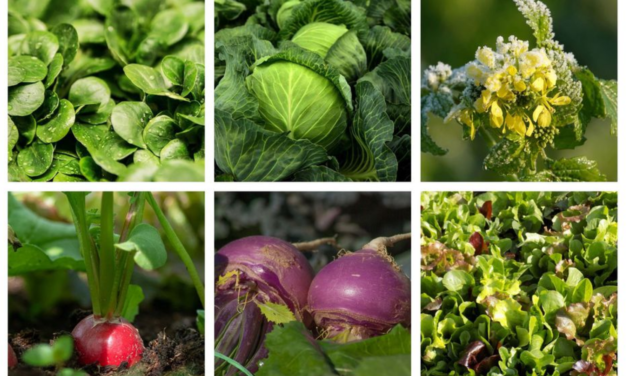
pixel 451 32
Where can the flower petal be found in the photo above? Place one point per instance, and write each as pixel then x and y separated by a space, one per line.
pixel 560 101
pixel 538 111
pixel 538 84
pixel 496 115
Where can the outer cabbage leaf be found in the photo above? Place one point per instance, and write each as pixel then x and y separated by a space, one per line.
pixel 369 158
pixel 331 11
pixel 241 147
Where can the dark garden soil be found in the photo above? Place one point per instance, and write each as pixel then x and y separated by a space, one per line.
pixel 173 343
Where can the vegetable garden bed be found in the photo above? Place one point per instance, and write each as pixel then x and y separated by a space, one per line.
pixel 519 283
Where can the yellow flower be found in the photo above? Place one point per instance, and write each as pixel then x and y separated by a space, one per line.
pixel 475 72
pixel 536 59
pixel 542 116
pixel 538 84
pixel 486 56
pixel 560 101
pixel 512 70
pixel 493 83
pixel 519 84
pixel 519 47
pixel 531 61
pixel 515 123
pixel 531 126
pixel 496 115
pixel 482 103
pixel 466 118
pixel 506 94
pixel 551 78
pixel 526 70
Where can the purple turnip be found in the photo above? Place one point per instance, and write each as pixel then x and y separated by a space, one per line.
pixel 250 272
pixel 361 294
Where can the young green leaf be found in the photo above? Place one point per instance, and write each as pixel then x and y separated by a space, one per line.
pixel 276 313
pixel 129 119
pixel 146 242
pixel 25 99
pixel 59 126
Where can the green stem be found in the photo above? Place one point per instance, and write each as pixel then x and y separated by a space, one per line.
pixel 77 205
pixel 134 217
pixel 178 247
pixel 125 282
pixel 233 363
pixel 107 253
pixel 487 136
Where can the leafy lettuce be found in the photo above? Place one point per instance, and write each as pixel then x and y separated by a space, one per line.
pixel 521 283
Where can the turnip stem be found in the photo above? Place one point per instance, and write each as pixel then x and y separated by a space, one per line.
pixel 381 244
pixel 77 206
pixel 107 254
pixel 315 244
pixel 178 247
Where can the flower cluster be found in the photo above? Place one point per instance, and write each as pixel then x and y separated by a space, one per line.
pixel 518 86
pixel 435 76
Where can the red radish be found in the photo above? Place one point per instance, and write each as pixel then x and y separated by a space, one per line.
pixel 12 357
pixel 107 343
pixel 361 294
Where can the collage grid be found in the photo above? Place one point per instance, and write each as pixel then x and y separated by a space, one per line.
pixel 211 189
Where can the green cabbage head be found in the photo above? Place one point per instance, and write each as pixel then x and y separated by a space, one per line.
pixel 299 94
pixel 336 44
pixel 285 12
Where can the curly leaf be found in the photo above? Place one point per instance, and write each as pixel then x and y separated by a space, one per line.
pixel 242 150
pixel 369 158
pixel 575 169
pixel 609 94
pixel 506 156
pixel 538 18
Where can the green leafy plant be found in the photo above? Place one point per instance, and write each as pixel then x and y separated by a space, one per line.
pixel 389 354
pixel 313 90
pixel 108 258
pixel 55 355
pixel 106 90
pixel 522 100
pixel 519 283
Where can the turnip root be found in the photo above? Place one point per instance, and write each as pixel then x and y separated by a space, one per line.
pixel 361 294
pixel 250 272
